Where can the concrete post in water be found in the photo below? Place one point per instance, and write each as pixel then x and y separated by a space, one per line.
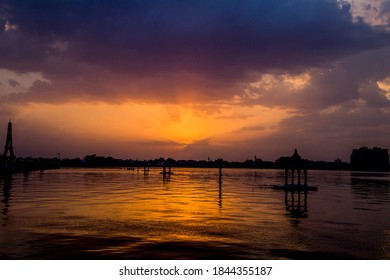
pixel 286 176
pixel 299 177
pixel 292 176
pixel 220 170
pixel 305 174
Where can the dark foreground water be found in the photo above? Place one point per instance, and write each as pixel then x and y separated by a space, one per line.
pixel 122 214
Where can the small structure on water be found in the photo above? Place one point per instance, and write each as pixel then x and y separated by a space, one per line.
pixel 165 172
pixel 295 165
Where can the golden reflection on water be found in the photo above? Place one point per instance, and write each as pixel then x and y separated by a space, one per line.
pixel 192 205
pixel 121 200
pixel 132 211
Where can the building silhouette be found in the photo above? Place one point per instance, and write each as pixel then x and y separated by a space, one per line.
pixel 375 159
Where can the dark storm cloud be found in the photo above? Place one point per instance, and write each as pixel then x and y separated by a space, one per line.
pixel 351 78
pixel 13 83
pixel 324 136
pixel 165 48
pixel 341 108
pixel 385 9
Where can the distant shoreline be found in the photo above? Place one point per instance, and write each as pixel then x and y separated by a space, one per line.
pixel 28 164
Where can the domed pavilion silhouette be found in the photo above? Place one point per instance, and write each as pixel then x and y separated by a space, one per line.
pixel 295 166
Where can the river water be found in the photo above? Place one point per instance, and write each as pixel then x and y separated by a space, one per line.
pixel 191 214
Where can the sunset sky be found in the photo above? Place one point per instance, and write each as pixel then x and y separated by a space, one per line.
pixel 195 79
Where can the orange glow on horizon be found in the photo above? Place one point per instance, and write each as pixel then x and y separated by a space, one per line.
pixel 180 125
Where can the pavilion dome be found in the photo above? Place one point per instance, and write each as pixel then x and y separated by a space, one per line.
pixel 296 158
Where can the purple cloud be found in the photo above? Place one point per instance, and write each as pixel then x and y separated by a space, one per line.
pixel 175 46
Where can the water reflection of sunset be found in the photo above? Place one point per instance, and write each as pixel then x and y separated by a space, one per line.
pixel 187 207
pixel 127 214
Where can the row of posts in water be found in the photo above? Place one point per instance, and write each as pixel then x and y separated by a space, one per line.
pixel 295 204
pixel 167 170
